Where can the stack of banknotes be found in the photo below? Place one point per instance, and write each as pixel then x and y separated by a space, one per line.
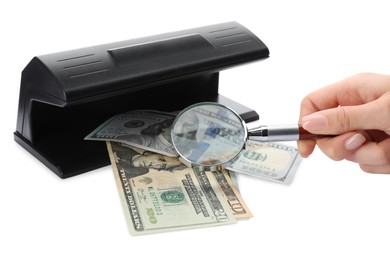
pixel 159 193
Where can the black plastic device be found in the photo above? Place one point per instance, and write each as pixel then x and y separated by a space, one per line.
pixel 66 95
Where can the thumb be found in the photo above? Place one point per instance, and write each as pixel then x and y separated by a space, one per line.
pixel 344 119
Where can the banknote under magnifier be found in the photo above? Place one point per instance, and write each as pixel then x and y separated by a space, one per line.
pixel 208 134
pixel 211 134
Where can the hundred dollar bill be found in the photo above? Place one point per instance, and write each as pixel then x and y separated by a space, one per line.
pixel 271 161
pixel 161 194
pixel 146 129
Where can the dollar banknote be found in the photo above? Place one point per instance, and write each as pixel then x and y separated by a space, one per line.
pixel 231 194
pixel 271 161
pixel 146 129
pixel 208 134
pixel 161 194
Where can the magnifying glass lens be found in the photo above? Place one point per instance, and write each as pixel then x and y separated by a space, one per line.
pixel 208 134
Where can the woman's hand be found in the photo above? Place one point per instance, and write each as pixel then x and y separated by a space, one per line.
pixel 357 111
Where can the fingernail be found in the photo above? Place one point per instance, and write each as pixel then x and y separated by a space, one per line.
pixel 313 122
pixel 354 142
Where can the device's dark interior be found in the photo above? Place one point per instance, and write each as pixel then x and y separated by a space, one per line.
pixel 59 132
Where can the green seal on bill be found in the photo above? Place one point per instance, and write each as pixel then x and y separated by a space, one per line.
pixel 172 196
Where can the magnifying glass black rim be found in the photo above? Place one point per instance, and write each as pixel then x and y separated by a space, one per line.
pixel 244 128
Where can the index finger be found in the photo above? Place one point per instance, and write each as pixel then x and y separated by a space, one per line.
pixel 355 90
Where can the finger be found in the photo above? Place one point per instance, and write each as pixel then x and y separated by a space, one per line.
pixel 375 168
pixel 371 156
pixel 349 118
pixel 372 153
pixel 335 148
pixel 359 89
pixel 306 147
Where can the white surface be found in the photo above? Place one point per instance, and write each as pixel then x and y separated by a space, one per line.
pixel 332 210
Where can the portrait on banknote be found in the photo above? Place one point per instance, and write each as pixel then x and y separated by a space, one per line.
pixel 137 161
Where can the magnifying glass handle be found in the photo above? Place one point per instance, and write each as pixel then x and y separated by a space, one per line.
pixel 278 133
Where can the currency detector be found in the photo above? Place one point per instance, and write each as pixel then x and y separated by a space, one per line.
pixel 66 95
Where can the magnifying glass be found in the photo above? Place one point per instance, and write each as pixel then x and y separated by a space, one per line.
pixel 211 134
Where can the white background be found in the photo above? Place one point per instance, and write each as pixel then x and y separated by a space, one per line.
pixel 332 210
